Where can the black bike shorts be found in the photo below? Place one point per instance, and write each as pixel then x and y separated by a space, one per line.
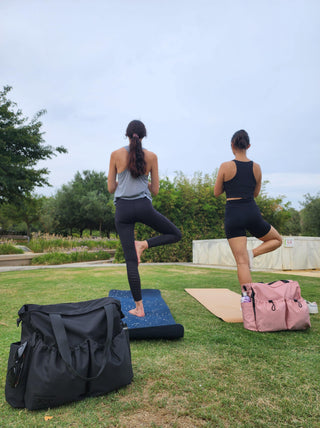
pixel 242 215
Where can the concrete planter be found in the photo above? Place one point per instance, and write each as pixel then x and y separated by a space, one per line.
pixel 17 259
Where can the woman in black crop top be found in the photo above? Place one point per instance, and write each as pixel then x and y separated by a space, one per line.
pixel 241 180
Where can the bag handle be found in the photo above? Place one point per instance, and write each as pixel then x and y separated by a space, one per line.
pixel 285 281
pixel 64 348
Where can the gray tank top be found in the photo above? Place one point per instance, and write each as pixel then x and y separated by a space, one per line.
pixel 130 187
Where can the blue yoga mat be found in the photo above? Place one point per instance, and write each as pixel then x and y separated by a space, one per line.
pixel 158 322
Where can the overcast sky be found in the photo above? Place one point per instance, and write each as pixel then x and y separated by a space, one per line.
pixel 194 71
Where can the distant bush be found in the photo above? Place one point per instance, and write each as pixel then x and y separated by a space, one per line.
pixel 191 205
pixel 119 256
pixel 55 243
pixel 6 248
pixel 58 258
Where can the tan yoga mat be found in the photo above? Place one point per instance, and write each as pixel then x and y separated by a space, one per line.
pixel 222 302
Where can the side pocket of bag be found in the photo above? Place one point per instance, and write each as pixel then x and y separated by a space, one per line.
pixel 17 374
pixel 118 370
pixel 248 317
pixel 50 382
pixel 298 317
pixel 271 315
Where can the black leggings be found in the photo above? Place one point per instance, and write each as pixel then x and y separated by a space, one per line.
pixel 128 212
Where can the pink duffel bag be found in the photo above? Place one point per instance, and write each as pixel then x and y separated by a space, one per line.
pixel 275 306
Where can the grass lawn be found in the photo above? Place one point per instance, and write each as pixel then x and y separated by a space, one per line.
pixel 218 375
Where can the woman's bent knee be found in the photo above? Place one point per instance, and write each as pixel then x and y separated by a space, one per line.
pixel 279 241
pixel 273 234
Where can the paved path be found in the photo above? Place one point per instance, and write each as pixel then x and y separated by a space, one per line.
pixel 106 264
pixel 311 272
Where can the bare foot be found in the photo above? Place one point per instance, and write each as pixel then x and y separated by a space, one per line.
pixel 140 247
pixel 137 312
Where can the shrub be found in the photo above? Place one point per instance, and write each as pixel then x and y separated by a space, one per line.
pixel 119 256
pixel 58 258
pixel 191 205
pixel 55 243
pixel 6 248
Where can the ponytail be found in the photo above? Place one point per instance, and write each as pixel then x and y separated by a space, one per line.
pixel 137 164
pixel 135 132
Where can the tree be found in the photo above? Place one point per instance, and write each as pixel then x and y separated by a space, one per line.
pixel 21 147
pixel 85 203
pixel 95 209
pixel 67 210
pixel 96 205
pixel 27 211
pixel 310 215
pixel 293 225
pixel 273 210
pixel 48 221
pixel 191 205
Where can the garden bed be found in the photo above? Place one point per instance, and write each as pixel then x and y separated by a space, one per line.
pixel 54 250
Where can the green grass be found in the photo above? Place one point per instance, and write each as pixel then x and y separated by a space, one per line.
pixel 218 375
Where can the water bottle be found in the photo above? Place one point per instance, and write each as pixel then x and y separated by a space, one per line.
pixel 245 297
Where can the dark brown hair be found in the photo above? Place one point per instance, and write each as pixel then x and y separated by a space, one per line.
pixel 135 132
pixel 241 139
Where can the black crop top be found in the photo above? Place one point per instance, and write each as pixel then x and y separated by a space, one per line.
pixel 242 185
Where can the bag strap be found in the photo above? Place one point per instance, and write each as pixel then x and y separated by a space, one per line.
pixel 285 281
pixel 64 348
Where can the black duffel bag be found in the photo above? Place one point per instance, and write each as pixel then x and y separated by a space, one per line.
pixel 67 352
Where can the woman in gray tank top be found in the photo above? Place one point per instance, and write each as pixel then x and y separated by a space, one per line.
pixel 128 178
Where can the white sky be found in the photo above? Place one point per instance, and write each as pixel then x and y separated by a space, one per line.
pixel 194 71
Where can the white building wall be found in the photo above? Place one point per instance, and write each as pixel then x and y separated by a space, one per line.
pixel 296 253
